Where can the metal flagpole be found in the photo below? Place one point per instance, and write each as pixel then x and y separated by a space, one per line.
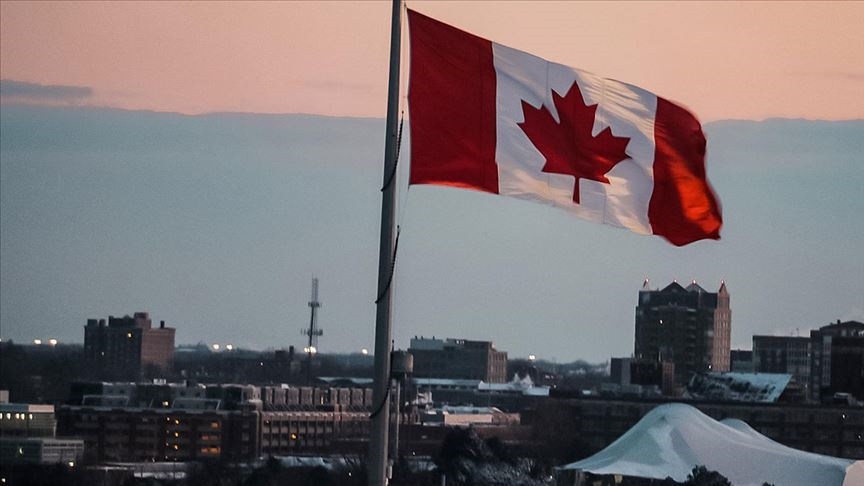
pixel 377 463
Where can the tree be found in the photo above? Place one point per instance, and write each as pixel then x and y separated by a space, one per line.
pixel 467 460
pixel 701 476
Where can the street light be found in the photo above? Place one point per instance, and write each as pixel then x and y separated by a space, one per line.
pixel 215 347
pixel 532 357
pixel 37 342
pixel 52 342
pixel 364 351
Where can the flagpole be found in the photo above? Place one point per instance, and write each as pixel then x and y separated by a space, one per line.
pixel 377 461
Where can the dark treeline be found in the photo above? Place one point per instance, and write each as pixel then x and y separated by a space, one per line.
pixel 463 458
pixel 40 374
pixel 43 374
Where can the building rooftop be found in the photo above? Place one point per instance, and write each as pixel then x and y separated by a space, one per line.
pixel 25 408
pixel 858 326
pixel 734 386
pixel 345 380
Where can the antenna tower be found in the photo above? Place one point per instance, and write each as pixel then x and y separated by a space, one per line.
pixel 313 332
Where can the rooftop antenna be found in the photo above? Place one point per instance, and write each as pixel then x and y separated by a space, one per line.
pixel 313 332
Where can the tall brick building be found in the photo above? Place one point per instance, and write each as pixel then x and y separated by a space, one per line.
pixel 688 327
pixel 127 347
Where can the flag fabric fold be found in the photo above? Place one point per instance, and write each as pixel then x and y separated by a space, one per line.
pixel 491 118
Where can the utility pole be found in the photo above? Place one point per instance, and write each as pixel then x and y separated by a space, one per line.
pixel 313 332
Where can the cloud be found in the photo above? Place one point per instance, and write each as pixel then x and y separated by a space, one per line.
pixel 11 90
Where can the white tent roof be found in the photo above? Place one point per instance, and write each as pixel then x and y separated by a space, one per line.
pixel 673 438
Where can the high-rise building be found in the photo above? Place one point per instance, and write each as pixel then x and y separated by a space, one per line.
pixel 837 360
pixel 127 347
pixel 687 327
pixel 458 359
pixel 783 354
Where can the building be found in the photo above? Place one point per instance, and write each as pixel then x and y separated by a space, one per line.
pixel 740 387
pixel 837 361
pixel 230 365
pixel 689 328
pixel 619 371
pixel 513 396
pixel 128 347
pixel 158 421
pixel 161 434
pixel 592 423
pixel 27 420
pixel 640 371
pixel 28 436
pixel 783 354
pixel 302 420
pixel 741 361
pixel 193 422
pixel 467 416
pixel 458 359
pixel 640 377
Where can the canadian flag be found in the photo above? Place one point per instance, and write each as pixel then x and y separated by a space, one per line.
pixel 491 118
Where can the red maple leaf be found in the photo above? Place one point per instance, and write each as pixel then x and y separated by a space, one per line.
pixel 568 146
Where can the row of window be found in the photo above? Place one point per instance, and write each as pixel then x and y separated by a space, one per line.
pixel 16 416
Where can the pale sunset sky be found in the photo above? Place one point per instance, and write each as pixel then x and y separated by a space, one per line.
pixel 741 60
pixel 217 222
